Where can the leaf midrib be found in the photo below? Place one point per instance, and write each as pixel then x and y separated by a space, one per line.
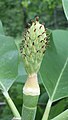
pixel 3 88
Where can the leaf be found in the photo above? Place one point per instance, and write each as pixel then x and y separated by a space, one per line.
pixel 57 108
pixel 1 28
pixel 65 6
pixel 54 69
pixel 62 116
pixel 8 62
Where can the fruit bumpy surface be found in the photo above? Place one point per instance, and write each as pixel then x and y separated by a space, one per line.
pixel 33 47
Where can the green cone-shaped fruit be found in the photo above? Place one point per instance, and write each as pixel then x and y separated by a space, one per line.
pixel 33 47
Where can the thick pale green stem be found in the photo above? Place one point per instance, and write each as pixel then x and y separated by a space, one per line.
pixel 12 105
pixel 29 107
pixel 47 110
pixel 28 113
pixel 31 93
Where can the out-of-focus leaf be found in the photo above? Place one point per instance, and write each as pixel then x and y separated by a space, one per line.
pixel 8 62
pixel 1 28
pixel 25 3
pixel 65 6
pixel 43 99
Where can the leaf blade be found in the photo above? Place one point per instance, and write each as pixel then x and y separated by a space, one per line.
pixel 8 62
pixel 53 63
pixel 62 116
pixel 56 87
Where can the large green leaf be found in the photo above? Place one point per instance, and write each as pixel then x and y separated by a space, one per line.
pixel 1 28
pixel 65 6
pixel 57 108
pixel 8 62
pixel 62 116
pixel 54 69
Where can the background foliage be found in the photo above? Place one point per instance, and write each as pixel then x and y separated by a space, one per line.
pixel 15 14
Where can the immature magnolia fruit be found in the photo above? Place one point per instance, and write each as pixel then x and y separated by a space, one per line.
pixel 33 46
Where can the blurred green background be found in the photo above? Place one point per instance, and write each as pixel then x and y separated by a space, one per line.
pixel 15 14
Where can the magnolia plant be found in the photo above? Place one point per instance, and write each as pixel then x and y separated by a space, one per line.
pixel 32 49
pixel 53 72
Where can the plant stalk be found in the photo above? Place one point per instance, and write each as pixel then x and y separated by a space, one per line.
pixel 11 104
pixel 31 93
pixel 47 110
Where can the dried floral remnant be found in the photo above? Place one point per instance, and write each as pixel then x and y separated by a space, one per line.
pixel 34 46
